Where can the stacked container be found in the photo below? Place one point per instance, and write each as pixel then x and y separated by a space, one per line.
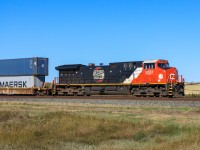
pixel 23 73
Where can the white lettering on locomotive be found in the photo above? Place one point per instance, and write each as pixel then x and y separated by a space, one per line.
pixel 149 72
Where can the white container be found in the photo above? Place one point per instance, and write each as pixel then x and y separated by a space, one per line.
pixel 21 81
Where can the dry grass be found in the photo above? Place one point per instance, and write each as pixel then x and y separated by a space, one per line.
pixel 192 89
pixel 101 127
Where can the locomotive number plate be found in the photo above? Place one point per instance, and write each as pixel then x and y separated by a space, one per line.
pixel 149 72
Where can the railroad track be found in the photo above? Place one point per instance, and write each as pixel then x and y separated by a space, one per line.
pixel 104 97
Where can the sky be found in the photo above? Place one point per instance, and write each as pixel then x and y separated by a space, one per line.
pixel 103 31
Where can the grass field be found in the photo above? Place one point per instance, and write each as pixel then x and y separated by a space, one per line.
pixel 192 89
pixel 101 127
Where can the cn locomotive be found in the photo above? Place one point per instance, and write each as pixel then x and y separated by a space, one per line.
pixel 137 78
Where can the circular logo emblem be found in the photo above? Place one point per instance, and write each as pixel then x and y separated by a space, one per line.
pixel 98 74
pixel 160 76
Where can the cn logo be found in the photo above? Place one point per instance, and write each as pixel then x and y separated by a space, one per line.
pixel 98 74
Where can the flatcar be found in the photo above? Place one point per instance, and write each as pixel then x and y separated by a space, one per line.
pixel 137 78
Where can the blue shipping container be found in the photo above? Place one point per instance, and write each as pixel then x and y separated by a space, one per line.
pixel 24 67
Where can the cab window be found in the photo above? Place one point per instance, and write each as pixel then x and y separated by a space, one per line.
pixel 149 66
pixel 163 65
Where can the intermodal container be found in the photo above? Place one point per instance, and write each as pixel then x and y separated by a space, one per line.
pixel 35 66
pixel 21 81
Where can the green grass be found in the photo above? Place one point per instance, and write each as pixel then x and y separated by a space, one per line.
pixel 193 95
pixel 101 127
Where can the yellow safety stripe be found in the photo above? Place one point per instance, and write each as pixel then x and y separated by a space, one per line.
pixel 109 84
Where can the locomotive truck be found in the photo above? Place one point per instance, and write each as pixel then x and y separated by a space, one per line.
pixel 137 78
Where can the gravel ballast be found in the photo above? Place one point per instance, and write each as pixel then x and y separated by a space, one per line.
pixel 122 102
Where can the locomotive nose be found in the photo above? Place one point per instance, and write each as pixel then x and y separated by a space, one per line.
pixel 179 78
pixel 176 74
pixel 172 74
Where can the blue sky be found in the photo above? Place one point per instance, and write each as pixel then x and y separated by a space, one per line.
pixel 103 31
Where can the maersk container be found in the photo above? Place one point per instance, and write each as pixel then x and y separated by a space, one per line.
pixel 36 66
pixel 21 81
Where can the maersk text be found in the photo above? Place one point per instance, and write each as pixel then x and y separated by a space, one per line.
pixel 20 84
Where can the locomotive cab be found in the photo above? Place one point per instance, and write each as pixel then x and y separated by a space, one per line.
pixel 158 78
pixel 159 71
pixel 171 73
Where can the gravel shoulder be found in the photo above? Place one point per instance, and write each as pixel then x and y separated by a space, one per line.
pixel 122 102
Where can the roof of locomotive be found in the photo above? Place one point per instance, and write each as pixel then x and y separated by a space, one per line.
pixel 154 60
pixel 125 62
pixel 68 67
pixel 76 66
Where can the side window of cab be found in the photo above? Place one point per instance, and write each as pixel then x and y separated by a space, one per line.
pixel 149 66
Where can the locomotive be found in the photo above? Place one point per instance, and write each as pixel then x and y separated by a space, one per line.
pixel 137 78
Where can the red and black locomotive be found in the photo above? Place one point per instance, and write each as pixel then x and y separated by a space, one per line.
pixel 138 78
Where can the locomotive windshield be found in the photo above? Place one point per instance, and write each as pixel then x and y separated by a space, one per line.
pixel 163 65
